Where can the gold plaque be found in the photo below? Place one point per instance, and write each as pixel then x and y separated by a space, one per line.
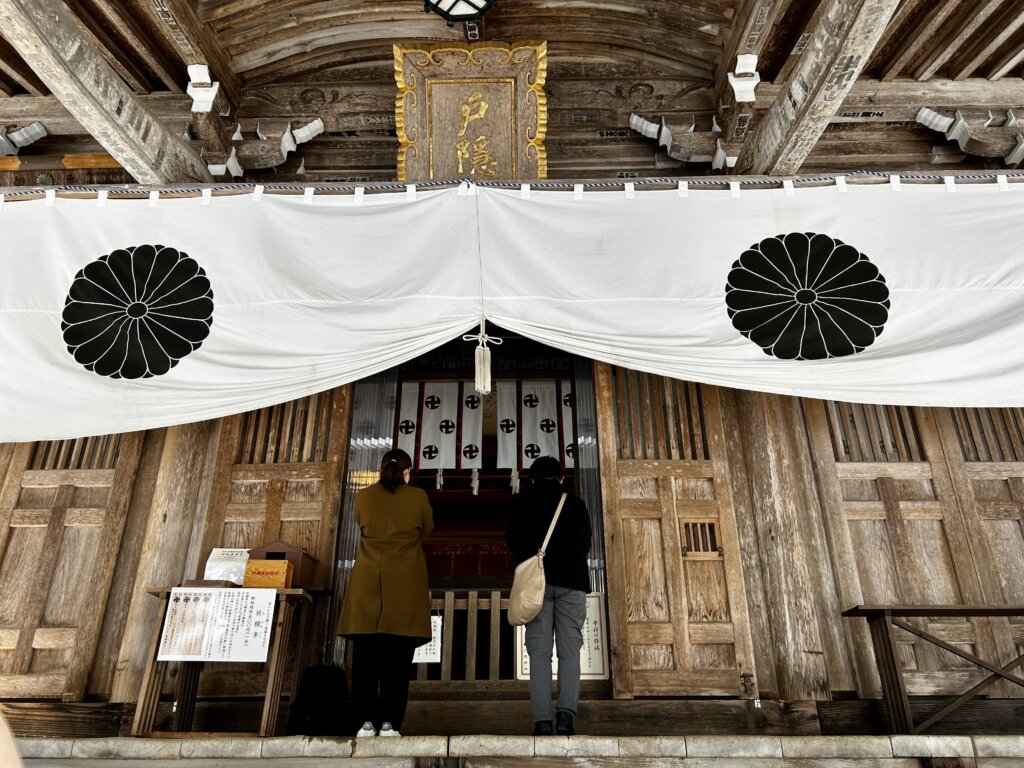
pixel 471 111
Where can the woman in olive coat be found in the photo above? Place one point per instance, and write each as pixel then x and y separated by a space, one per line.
pixel 386 612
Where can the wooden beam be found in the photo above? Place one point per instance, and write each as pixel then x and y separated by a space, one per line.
pixel 141 44
pixel 108 47
pixel 839 48
pixel 16 71
pixel 47 38
pixel 55 162
pixel 923 34
pixel 196 43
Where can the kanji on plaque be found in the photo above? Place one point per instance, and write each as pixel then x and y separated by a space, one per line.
pixel 206 624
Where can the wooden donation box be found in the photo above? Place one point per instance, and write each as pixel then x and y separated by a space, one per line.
pixel 279 565
pixel 471 111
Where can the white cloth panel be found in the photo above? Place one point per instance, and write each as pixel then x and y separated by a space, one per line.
pixel 409 418
pixel 508 425
pixel 438 432
pixel 567 424
pixel 309 295
pixel 539 414
pixel 471 428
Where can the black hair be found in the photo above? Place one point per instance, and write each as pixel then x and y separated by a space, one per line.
pixel 546 468
pixel 392 469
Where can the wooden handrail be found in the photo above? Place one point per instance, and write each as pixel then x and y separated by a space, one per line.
pixel 883 619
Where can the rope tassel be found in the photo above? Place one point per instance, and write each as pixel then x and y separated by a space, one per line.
pixel 483 357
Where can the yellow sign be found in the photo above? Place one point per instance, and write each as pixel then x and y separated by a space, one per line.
pixel 471 111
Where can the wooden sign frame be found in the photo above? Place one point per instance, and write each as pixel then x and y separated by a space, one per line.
pixel 476 111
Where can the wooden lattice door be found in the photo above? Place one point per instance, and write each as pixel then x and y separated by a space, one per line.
pixel 62 513
pixel 898 537
pixel 676 602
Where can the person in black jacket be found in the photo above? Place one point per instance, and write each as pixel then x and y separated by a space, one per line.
pixel 565 596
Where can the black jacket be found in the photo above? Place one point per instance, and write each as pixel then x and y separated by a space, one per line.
pixel 565 564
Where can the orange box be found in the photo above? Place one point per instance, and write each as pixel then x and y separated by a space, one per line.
pixel 276 574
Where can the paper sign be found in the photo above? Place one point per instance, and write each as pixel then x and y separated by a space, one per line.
pixel 593 654
pixel 226 565
pixel 205 624
pixel 431 652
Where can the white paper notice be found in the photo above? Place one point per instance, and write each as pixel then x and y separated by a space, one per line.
pixel 431 652
pixel 593 654
pixel 205 624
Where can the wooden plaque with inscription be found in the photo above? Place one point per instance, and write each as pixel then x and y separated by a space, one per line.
pixel 471 111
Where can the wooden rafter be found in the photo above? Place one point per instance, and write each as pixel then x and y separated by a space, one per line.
pixel 1006 25
pixel 42 32
pixel 100 38
pixel 140 44
pixel 938 16
pixel 840 45
pixel 15 72
pixel 976 19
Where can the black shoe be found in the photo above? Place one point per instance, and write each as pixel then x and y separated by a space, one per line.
pixel 542 728
pixel 564 723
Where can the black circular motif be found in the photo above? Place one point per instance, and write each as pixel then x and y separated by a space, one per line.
pixel 807 297
pixel 532 450
pixel 570 450
pixel 531 401
pixel 472 402
pixel 447 426
pixel 430 452
pixel 432 402
pixel 508 426
pixel 548 425
pixel 135 312
pixel 471 451
pixel 407 427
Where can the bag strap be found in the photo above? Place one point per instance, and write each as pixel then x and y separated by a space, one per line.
pixel 551 528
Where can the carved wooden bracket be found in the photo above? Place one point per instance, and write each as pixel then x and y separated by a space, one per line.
pixel 982 136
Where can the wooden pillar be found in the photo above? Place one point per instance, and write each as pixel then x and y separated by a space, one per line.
pixel 801 600
pixel 175 511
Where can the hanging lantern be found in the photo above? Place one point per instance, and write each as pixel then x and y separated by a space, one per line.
pixel 459 10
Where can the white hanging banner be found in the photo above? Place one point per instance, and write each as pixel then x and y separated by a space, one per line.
pixel 539 415
pixel 509 442
pixel 409 418
pixel 471 428
pixel 129 316
pixel 438 425
pixel 567 424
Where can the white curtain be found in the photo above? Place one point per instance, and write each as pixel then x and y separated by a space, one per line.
pixel 922 305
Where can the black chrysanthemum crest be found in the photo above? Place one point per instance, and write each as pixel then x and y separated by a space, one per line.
pixel 136 312
pixel 805 296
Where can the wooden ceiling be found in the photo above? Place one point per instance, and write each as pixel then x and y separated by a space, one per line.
pixel 841 84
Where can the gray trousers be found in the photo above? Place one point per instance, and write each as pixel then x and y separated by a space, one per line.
pixel 559 623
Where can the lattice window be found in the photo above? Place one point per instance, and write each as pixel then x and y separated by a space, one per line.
pixel 659 418
pixel 990 434
pixel 98 452
pixel 873 433
pixel 298 431
pixel 700 538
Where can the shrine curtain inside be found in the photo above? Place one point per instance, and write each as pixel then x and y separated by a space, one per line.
pixel 121 315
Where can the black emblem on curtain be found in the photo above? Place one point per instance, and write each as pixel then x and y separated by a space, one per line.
pixel 806 296
pixel 135 312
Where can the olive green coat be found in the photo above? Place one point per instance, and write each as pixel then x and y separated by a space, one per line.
pixel 388 590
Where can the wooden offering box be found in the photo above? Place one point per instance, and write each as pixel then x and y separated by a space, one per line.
pixel 303 566
pixel 268 573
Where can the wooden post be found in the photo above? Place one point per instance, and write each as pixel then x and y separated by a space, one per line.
pixel 894 689
pixel 172 516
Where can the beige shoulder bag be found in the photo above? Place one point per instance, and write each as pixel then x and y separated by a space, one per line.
pixel 528 584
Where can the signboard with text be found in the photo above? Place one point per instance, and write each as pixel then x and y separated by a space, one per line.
pixel 471 111
pixel 206 624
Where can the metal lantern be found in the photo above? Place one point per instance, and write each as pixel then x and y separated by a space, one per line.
pixel 459 10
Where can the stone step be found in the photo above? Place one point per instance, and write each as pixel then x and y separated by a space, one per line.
pixel 508 751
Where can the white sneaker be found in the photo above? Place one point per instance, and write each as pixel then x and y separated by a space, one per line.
pixel 368 730
pixel 387 730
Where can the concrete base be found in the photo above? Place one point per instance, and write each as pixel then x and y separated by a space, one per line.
pixel 544 752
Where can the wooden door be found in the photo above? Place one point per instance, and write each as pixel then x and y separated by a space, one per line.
pixel 676 603
pixel 62 513
pixel 984 448
pixel 898 536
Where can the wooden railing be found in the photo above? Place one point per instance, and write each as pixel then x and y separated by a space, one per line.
pixel 477 643
pixel 882 619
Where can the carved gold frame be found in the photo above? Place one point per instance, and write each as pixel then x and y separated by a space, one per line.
pixel 407 99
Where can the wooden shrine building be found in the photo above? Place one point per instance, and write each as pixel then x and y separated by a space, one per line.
pixel 733 527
